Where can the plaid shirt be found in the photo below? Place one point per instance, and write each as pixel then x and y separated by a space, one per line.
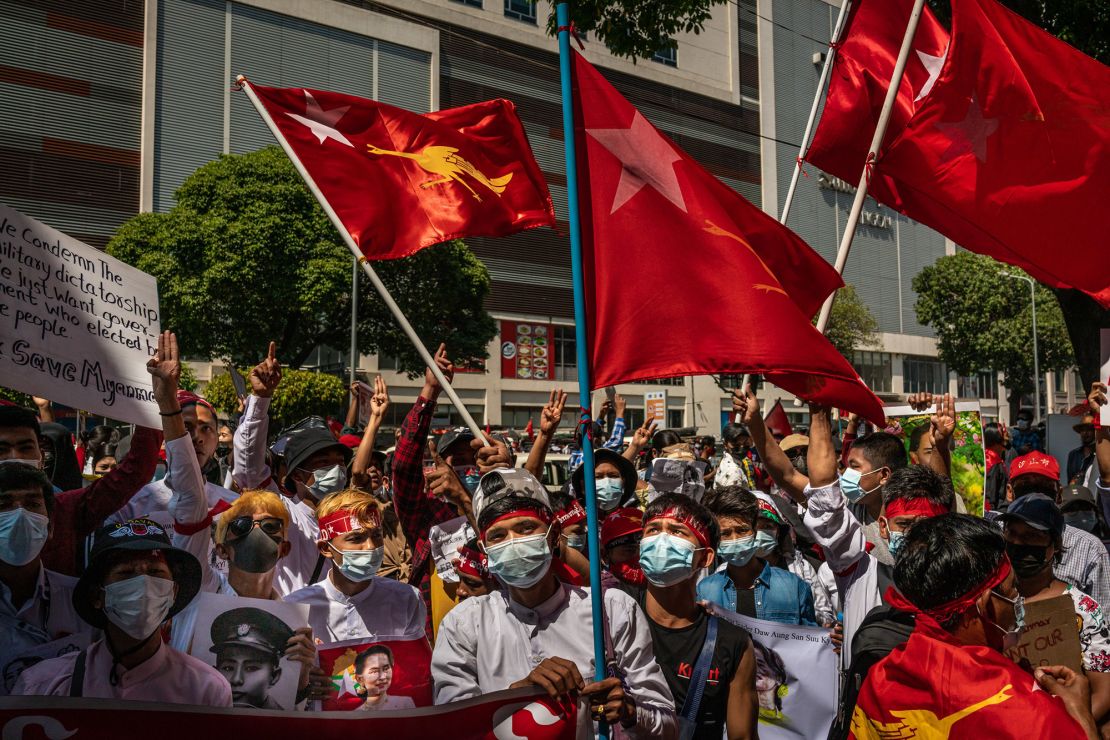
pixel 416 510
pixel 616 441
pixel 1085 564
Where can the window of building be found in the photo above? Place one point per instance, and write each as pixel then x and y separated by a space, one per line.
pixel 981 385
pixel 660 381
pixel 521 10
pixel 471 3
pixel 674 418
pixel 516 417
pixel 874 368
pixel 566 359
pixel 667 56
pixel 924 375
pixel 446 415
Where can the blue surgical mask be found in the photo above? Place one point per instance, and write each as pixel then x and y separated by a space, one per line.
pixel 326 481
pixel 895 543
pixel 765 543
pixel 22 535
pixel 610 491
pixel 469 475
pixel 666 559
pixel 738 552
pixel 520 561
pixel 850 486
pixel 1010 637
pixel 359 565
pixel 577 542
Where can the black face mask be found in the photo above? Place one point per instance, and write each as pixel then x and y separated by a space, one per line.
pixel 1028 560
pixel 222 450
pixel 255 553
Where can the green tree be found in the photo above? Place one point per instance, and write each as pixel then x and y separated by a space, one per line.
pixel 19 399
pixel 984 320
pixel 851 324
pixel 634 28
pixel 188 380
pixel 301 393
pixel 247 255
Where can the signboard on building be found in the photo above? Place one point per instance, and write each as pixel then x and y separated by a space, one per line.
pixel 526 350
pixel 655 407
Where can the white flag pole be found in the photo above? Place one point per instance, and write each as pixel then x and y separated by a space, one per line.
pixel 370 273
pixel 876 142
pixel 803 148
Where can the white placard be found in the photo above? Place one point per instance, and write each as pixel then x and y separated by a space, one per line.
pixel 1104 373
pixel 655 408
pixel 76 326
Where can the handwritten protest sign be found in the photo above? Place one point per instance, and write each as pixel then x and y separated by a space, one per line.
pixel 969 466
pixel 795 677
pixel 1051 635
pixel 76 326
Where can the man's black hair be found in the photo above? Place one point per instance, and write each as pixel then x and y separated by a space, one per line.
pixel 561 499
pixel 918 481
pixel 685 507
pixel 916 435
pixel 707 441
pixel 882 450
pixel 380 649
pixel 733 432
pixel 991 435
pixel 18 417
pixel 735 502
pixel 503 506
pixel 946 557
pixel 664 438
pixel 15 476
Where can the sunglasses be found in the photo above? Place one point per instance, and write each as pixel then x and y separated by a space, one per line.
pixel 241 526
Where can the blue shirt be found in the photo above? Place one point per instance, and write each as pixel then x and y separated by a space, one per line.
pixel 780 596
pixel 615 442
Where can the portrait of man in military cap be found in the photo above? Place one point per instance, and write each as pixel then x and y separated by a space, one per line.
pixel 248 644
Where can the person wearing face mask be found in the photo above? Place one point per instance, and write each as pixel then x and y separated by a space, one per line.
pixel 872 460
pixel 352 602
pixel 539 630
pixel 224 443
pixel 620 551
pixel 35 606
pixel 573 547
pixel 1082 457
pixel 680 537
pixel 59 459
pixel 1034 528
pixel 1080 510
pixel 78 512
pixel 951 678
pixel 615 478
pixel 749 584
pixel 737 467
pixel 472 571
pixel 135 581
pixel 1025 438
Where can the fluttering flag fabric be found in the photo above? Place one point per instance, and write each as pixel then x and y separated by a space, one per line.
pixel 400 181
pixel 685 277
pixel 777 420
pixel 1007 151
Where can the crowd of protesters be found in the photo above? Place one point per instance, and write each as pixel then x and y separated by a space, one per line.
pixel 457 540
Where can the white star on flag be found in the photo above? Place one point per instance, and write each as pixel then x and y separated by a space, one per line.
pixel 969 135
pixel 322 122
pixel 932 65
pixel 646 159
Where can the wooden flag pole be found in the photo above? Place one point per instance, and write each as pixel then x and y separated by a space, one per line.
pixel 376 281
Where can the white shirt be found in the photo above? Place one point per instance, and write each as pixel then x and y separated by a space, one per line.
pixel 168 676
pixel 385 610
pixel 250 471
pixel 822 604
pixel 45 617
pixel 487 643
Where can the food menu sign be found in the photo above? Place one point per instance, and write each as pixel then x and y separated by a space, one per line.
pixel 526 350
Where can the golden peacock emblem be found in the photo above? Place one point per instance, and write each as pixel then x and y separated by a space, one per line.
pixel 449 166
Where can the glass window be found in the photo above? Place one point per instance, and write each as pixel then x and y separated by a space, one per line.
pixel 566 360
pixel 981 385
pixel 924 375
pixel 661 381
pixel 521 10
pixel 516 417
pixel 674 418
pixel 447 416
pixel 471 3
pixel 874 368
pixel 667 56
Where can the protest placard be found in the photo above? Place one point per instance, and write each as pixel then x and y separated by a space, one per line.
pixel 18 659
pixel 371 675
pixel 245 640
pixel 76 325
pixel 1051 635
pixel 795 677
pixel 969 466
pixel 655 408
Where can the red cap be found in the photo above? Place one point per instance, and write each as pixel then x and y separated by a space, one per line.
pixel 1035 463
pixel 185 398
pixel 350 440
pixel 621 523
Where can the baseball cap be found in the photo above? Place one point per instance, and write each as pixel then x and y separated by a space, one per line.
pixel 1076 494
pixel 450 437
pixel 1035 463
pixel 621 523
pixel 508 482
pixel 1038 511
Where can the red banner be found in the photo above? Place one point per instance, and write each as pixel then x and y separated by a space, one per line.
pixel 526 350
pixel 517 713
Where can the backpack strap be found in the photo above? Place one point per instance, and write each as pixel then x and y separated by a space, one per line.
pixel 316 571
pixel 700 673
pixel 77 680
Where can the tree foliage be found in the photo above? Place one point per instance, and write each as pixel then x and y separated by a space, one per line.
pixel 247 255
pixel 984 321
pixel 19 399
pixel 851 324
pixel 301 393
pixel 637 29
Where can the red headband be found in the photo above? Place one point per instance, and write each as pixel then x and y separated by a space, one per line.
pixel 472 563
pixel 573 514
pixel 914 507
pixel 187 398
pixel 538 513
pixel 941 612
pixel 345 520
pixel 673 513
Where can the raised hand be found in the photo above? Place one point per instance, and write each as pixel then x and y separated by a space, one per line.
pixel 621 405
pixel 552 413
pixel 943 421
pixel 641 438
pixel 165 371
pixel 379 402
pixel 920 401
pixel 745 403
pixel 432 387
pixel 1097 398
pixel 266 375
pixel 492 456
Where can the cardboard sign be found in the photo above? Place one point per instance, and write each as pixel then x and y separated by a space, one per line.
pixel 1051 635
pixel 76 326
pixel 655 408
pixel 526 350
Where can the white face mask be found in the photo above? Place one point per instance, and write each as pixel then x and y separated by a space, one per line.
pixel 22 535
pixel 359 565
pixel 139 605
pixel 326 481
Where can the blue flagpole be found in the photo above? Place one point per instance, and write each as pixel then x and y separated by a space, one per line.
pixel 593 528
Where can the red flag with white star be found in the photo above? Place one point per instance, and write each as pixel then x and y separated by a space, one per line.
pixel 1008 153
pixel 400 181
pixel 685 277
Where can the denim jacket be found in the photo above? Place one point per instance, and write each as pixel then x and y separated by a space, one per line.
pixel 780 596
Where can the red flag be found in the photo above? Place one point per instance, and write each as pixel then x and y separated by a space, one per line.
pixel 777 420
pixel 530 430
pixel 685 277
pixel 400 181
pixel 1009 152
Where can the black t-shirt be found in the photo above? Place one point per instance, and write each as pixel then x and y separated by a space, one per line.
pixel 676 652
